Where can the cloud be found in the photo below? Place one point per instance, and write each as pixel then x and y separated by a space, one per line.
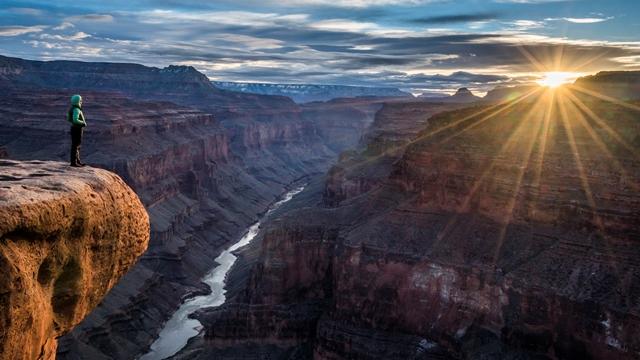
pixel 628 61
pixel 19 30
pixel 586 20
pixel 237 18
pixel 331 45
pixel 530 1
pixel 64 25
pixel 526 24
pixel 26 11
pixel 462 77
pixel 353 3
pixel 456 18
pixel 77 36
pixel 343 25
pixel 92 18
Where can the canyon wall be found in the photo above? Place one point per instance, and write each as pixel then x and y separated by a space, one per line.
pixel 205 167
pixel 499 231
pixel 67 236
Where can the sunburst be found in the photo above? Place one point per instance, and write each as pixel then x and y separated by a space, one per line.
pixel 556 79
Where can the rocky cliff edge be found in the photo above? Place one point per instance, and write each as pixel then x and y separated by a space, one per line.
pixel 66 236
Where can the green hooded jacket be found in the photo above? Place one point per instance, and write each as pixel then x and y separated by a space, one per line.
pixel 75 115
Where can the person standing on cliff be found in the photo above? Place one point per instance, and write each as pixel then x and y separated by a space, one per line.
pixel 76 118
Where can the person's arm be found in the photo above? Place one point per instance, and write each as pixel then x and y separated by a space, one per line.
pixel 78 118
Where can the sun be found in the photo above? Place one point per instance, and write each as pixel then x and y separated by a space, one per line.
pixel 557 78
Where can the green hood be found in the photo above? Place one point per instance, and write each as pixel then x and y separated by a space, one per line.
pixel 76 100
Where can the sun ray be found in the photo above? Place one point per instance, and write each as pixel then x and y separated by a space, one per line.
pixel 605 97
pixel 474 188
pixel 576 154
pixel 502 105
pixel 487 117
pixel 584 180
pixel 601 122
pixel 532 59
pixel 601 145
pixel 516 190
pixel 589 60
pixel 543 138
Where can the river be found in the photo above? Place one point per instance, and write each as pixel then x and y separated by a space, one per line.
pixel 180 328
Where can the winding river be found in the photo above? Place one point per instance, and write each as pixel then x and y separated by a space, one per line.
pixel 180 328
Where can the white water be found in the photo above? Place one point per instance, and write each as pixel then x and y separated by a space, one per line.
pixel 180 328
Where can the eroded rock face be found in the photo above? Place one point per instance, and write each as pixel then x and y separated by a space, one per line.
pixel 205 172
pixel 508 236
pixel 67 235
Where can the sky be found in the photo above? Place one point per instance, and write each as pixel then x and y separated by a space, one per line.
pixel 416 45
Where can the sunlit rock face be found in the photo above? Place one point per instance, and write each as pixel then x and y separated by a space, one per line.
pixel 498 231
pixel 67 235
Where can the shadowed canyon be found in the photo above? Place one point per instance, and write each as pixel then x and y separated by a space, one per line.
pixel 371 227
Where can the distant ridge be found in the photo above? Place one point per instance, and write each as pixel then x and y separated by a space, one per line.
pixel 462 95
pixel 624 85
pixel 310 92
pixel 183 85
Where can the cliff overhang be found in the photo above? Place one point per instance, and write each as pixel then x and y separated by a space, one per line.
pixel 67 235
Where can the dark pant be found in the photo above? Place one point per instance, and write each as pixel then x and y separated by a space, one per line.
pixel 76 140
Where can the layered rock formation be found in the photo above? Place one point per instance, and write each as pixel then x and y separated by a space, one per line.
pixel 67 235
pixel 504 231
pixel 205 166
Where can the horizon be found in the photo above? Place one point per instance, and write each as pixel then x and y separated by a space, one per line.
pixel 413 45
pixel 542 82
